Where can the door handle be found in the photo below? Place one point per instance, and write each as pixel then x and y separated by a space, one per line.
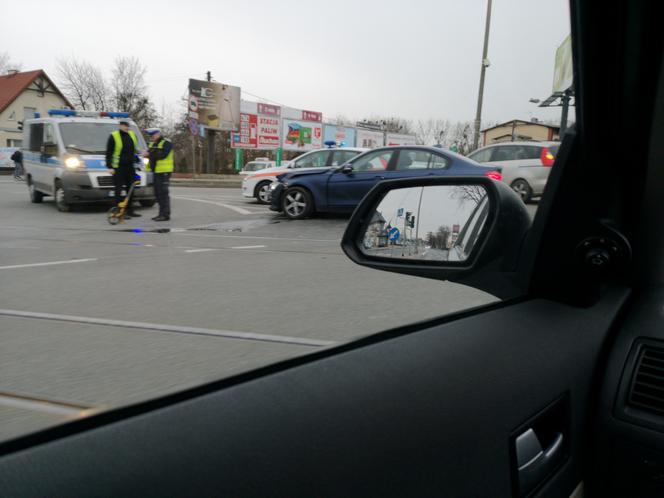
pixel 534 463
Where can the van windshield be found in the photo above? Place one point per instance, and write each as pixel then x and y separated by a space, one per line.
pixel 90 138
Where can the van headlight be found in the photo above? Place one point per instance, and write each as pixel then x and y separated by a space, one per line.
pixel 72 162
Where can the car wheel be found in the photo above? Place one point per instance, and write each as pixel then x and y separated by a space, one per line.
pixel 60 202
pixel 35 195
pixel 262 192
pixel 147 203
pixel 297 203
pixel 522 188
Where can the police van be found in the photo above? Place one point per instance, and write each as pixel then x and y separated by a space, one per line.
pixel 64 156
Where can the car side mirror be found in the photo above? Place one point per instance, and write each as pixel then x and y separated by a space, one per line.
pixel 346 169
pixel 463 229
pixel 49 149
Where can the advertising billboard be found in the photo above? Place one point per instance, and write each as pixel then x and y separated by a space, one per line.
pixel 369 138
pixel 302 135
pixel 214 105
pixel 247 137
pixel 339 134
pixel 268 131
pixel 269 109
pixel 563 72
pixel 400 139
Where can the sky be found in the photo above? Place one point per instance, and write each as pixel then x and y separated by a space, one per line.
pixel 414 59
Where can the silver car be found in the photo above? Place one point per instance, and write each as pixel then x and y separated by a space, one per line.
pixel 525 165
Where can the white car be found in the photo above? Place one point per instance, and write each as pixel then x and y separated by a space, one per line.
pixel 525 165
pixel 252 166
pixel 257 185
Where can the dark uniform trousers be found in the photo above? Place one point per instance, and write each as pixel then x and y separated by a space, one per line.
pixel 122 179
pixel 162 182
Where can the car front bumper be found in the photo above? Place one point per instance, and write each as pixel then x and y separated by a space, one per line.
pixel 275 199
pixel 83 187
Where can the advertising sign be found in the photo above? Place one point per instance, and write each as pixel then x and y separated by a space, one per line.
pixel 247 138
pixel 400 139
pixel 269 109
pixel 339 134
pixel 268 131
pixel 302 135
pixel 214 105
pixel 369 138
pixel 563 73
pixel 312 116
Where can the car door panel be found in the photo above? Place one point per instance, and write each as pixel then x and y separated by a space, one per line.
pixel 351 423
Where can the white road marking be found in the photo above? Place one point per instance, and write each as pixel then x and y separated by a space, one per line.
pixel 159 327
pixel 48 263
pixel 201 250
pixel 221 204
pixel 246 247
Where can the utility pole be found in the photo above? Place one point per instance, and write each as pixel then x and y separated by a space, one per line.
pixel 210 142
pixel 565 98
pixel 485 64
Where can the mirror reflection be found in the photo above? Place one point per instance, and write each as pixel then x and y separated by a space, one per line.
pixel 431 223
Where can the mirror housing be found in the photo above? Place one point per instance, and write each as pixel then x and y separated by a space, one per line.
pixel 49 149
pixel 492 264
pixel 346 169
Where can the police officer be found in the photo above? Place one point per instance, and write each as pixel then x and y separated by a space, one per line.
pixel 121 150
pixel 161 163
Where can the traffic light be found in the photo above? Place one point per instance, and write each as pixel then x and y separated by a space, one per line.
pixel 20 125
pixel 411 223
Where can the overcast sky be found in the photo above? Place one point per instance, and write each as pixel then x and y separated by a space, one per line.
pixel 410 58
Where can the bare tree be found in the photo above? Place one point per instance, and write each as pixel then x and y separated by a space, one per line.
pixel 6 64
pixel 130 92
pixel 393 124
pixel 83 84
pixel 432 131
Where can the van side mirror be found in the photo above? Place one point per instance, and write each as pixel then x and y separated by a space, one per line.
pixel 49 149
pixel 463 229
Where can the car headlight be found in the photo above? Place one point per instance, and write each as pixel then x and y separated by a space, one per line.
pixel 72 162
pixel 274 185
pixel 146 161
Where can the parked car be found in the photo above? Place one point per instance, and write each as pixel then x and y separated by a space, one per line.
pixel 301 194
pixel 525 165
pixel 252 166
pixel 257 185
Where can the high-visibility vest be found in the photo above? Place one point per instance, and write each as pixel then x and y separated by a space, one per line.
pixel 118 146
pixel 165 165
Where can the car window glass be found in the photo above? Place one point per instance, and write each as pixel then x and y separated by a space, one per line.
pixel 340 157
pixel 438 162
pixel 506 153
pixel 373 161
pixel 314 160
pixel 36 136
pixel 531 151
pixel 482 156
pixel 49 135
pixel 412 160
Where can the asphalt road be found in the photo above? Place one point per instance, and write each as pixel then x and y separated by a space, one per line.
pixel 95 316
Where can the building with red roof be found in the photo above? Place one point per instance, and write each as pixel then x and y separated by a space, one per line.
pixel 21 95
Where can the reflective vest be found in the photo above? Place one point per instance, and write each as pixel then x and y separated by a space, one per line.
pixel 118 146
pixel 165 165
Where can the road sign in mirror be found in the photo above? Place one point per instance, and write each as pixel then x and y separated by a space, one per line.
pixel 431 223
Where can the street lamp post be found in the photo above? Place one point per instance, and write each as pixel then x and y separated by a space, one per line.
pixel 485 64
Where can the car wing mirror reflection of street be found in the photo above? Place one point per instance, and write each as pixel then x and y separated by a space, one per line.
pixel 464 229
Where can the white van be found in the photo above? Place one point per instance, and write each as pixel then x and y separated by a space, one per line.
pixel 64 155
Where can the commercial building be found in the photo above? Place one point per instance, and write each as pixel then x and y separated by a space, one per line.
pixel 518 129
